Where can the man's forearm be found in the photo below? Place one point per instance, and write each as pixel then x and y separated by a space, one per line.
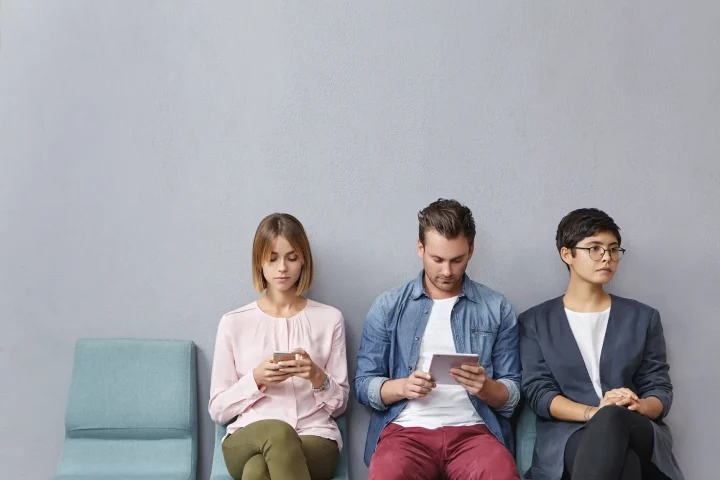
pixel 391 391
pixel 494 393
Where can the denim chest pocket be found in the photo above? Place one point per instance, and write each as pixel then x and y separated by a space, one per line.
pixel 482 341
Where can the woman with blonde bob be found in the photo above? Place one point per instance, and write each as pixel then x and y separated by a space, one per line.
pixel 280 370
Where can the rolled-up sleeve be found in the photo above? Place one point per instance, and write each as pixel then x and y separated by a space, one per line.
pixel 513 389
pixel 653 377
pixel 373 362
pixel 538 383
pixel 506 359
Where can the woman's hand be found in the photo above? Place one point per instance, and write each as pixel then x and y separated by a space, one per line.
pixel 303 367
pixel 622 397
pixel 622 392
pixel 632 402
pixel 268 373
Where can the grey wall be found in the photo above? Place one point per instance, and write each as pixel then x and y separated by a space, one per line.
pixel 141 142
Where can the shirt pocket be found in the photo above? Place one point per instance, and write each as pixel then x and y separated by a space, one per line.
pixel 482 340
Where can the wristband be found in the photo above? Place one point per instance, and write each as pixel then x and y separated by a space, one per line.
pixel 324 386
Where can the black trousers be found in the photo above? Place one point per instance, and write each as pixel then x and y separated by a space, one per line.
pixel 616 444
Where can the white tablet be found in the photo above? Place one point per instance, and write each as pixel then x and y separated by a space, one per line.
pixel 441 363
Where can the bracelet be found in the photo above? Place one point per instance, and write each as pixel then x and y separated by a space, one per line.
pixel 324 386
pixel 587 413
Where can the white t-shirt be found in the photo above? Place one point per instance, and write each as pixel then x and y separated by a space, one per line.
pixel 589 332
pixel 445 405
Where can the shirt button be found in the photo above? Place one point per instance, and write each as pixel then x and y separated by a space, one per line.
pixel 417 338
pixel 410 369
pixel 426 311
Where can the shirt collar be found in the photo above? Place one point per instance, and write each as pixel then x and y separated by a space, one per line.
pixel 418 289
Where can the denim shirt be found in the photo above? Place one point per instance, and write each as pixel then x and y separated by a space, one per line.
pixel 482 322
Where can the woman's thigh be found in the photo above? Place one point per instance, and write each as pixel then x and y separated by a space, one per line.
pixel 615 425
pixel 254 439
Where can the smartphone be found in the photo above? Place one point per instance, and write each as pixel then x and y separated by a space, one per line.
pixel 283 356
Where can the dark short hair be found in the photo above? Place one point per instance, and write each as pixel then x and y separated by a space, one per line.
pixel 582 223
pixel 449 218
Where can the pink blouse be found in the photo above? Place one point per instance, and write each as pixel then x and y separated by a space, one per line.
pixel 246 337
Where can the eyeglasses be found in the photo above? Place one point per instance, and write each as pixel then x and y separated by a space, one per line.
pixel 597 252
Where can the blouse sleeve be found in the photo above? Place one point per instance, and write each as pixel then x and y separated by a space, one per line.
pixel 230 394
pixel 334 399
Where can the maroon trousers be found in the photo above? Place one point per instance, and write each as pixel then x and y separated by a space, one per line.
pixel 453 453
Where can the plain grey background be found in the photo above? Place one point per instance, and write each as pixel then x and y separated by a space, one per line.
pixel 142 142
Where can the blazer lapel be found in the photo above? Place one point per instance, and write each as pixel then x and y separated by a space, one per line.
pixel 566 338
pixel 608 353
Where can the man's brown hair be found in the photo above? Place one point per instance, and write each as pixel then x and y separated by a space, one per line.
pixel 449 218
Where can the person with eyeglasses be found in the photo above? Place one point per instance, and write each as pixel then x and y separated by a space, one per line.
pixel 595 369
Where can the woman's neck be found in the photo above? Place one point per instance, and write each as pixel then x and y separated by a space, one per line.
pixel 282 304
pixel 586 297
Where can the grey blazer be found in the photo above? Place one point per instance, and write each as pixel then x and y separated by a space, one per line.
pixel 633 356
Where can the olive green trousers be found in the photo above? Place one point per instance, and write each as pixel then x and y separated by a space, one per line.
pixel 272 450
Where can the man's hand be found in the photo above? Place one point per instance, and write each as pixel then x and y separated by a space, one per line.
pixel 417 385
pixel 471 377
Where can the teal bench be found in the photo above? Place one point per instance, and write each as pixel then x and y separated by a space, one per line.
pixel 131 411
pixel 524 439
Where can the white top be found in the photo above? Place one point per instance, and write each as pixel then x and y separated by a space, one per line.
pixel 445 405
pixel 589 331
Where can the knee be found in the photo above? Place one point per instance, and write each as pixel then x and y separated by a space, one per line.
pixel 610 420
pixel 611 414
pixel 278 431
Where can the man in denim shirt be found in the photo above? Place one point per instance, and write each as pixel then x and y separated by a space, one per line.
pixel 418 429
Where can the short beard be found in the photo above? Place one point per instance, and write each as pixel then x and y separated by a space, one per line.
pixel 444 286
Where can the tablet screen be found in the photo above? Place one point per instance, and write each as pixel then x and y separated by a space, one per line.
pixel 441 363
